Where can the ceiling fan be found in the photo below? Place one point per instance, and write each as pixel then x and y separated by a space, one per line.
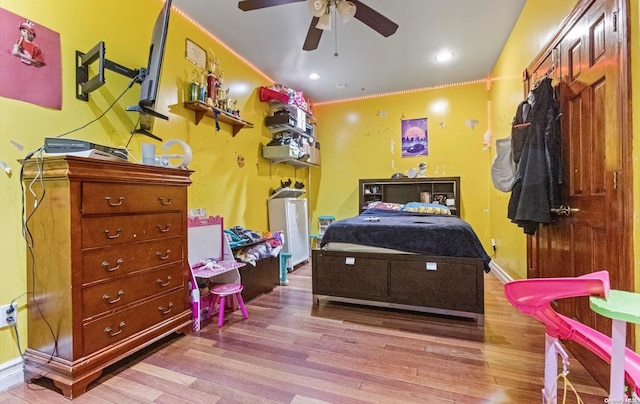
pixel 321 21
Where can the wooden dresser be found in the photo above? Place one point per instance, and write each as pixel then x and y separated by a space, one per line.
pixel 107 271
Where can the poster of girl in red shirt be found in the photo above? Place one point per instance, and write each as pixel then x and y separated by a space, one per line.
pixel 30 61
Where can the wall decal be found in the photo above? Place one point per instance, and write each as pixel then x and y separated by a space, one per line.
pixel 30 64
pixel 471 123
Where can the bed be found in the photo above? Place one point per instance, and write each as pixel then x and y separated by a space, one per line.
pixel 424 262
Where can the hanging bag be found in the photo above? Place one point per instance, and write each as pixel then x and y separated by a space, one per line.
pixel 503 169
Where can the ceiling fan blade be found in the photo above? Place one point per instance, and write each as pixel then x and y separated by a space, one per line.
pixel 374 19
pixel 248 5
pixel 313 36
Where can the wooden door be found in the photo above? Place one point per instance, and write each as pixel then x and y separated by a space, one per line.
pixel 588 61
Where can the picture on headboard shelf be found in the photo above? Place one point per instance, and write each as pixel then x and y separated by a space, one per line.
pixel 440 199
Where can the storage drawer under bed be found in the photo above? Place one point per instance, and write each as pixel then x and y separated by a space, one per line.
pixel 438 284
pixel 435 284
pixel 349 276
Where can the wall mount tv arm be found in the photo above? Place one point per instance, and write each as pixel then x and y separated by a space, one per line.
pixel 85 85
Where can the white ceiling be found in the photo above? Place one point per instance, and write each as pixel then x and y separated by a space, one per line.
pixel 367 63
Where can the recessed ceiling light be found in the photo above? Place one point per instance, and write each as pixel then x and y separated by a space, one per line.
pixel 314 76
pixel 341 86
pixel 444 56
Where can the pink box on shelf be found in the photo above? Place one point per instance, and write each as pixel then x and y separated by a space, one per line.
pixel 268 94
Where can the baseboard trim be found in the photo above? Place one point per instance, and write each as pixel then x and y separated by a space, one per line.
pixel 11 373
pixel 499 272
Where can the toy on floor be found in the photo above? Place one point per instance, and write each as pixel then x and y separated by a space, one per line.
pixel 534 296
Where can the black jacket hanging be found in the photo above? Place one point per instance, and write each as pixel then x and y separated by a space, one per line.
pixel 536 189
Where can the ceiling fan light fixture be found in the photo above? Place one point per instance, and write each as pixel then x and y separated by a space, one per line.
pixel 318 7
pixel 324 23
pixel 346 9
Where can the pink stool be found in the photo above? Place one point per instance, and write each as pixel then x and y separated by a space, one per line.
pixel 228 289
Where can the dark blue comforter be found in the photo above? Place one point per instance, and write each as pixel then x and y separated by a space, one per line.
pixel 426 234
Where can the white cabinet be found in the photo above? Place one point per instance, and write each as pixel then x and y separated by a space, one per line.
pixel 290 216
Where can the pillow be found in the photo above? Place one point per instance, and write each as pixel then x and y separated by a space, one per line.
pixel 420 207
pixel 385 206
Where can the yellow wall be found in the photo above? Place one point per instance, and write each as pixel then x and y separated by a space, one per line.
pixel 219 185
pixel 361 139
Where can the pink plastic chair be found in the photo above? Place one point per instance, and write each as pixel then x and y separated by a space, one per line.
pixel 230 290
pixel 534 296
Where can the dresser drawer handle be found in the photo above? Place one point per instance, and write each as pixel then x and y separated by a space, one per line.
pixel 109 330
pixel 166 228
pixel 107 297
pixel 160 256
pixel 163 284
pixel 167 311
pixel 105 265
pixel 165 201
pixel 106 233
pixel 120 200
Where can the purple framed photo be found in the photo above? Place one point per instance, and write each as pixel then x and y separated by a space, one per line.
pixel 415 139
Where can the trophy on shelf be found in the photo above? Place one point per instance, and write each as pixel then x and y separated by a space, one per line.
pixel 224 101
pixel 212 79
pixel 221 95
pixel 234 108
pixel 194 87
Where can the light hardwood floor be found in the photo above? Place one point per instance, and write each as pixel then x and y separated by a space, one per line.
pixel 290 351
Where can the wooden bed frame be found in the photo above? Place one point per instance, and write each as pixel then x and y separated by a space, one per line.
pixel 431 284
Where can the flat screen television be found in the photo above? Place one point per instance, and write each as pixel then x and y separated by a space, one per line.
pixel 149 77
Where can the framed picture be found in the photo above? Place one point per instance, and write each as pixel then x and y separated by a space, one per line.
pixel 195 54
pixel 440 199
pixel 414 137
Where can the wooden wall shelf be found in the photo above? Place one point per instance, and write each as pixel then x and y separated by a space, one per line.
pixel 201 110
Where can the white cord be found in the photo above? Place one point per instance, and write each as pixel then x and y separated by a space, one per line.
pixel 36 178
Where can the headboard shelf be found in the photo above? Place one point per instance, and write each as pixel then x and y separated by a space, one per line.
pixel 445 190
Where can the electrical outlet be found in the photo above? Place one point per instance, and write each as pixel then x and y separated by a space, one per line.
pixel 8 315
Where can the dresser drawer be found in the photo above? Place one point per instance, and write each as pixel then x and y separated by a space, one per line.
pixel 121 259
pixel 120 229
pixel 109 330
pixel 103 297
pixel 107 198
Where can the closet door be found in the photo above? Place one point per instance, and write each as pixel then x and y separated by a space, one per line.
pixel 592 85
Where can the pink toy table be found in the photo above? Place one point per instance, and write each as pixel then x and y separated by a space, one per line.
pixel 621 307
pixel 210 257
